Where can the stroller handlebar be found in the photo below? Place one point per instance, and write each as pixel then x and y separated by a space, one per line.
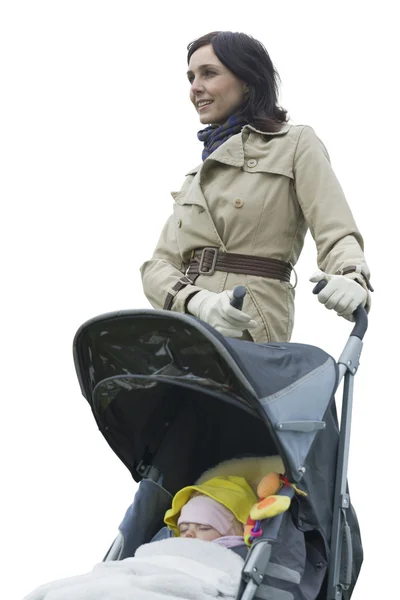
pixel 239 293
pixel 360 314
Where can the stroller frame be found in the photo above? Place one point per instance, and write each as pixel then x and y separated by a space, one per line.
pixel 341 560
pixel 341 566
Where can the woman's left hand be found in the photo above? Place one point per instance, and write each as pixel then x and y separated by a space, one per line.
pixel 341 294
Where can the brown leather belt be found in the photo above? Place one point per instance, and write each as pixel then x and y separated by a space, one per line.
pixel 208 260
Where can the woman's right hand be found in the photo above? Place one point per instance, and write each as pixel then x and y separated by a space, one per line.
pixel 341 294
pixel 216 310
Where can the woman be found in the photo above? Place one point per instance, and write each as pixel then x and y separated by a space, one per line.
pixel 242 215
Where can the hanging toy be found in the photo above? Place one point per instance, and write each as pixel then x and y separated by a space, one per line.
pixel 269 504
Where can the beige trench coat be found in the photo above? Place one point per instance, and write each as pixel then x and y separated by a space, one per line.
pixel 257 194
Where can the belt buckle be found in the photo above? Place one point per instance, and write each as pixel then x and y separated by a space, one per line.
pixel 214 261
pixel 293 285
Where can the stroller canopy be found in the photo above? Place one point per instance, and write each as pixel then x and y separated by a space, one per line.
pixel 160 382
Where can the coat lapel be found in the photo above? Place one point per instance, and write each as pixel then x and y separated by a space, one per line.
pixel 193 194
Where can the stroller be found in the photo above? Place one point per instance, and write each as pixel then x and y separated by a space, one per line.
pixel 173 398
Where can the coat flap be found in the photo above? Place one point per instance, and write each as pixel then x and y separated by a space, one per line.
pixel 183 197
pixel 190 193
pixel 263 154
pixel 269 162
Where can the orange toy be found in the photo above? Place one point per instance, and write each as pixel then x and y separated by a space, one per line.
pixel 269 505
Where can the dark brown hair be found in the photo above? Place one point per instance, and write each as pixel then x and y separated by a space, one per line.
pixel 248 59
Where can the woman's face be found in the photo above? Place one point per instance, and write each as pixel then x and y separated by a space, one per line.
pixel 198 531
pixel 215 91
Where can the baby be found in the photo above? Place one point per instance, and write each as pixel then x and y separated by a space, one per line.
pixel 214 511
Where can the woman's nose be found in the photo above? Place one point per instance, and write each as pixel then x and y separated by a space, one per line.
pixel 196 86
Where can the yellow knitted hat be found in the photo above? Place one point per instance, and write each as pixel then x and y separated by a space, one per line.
pixel 232 492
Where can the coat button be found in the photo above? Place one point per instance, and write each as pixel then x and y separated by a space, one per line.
pixel 252 162
pixel 238 202
pixel 179 223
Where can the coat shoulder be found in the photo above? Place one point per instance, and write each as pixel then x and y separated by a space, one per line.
pixel 289 136
pixel 295 132
pixel 308 141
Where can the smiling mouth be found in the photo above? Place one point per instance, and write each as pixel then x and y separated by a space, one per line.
pixel 203 104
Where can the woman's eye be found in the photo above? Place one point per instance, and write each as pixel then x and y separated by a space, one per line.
pixel 190 79
pixel 209 73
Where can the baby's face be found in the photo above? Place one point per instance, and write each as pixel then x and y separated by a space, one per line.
pixel 198 531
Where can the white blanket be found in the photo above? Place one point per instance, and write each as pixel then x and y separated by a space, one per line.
pixel 174 568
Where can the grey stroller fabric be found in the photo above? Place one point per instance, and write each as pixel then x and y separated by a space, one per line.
pixel 296 569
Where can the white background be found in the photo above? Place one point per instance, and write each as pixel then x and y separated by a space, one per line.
pixel 96 130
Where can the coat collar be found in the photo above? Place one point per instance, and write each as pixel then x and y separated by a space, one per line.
pixel 284 129
pixel 231 152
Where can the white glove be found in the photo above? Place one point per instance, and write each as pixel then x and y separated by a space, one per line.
pixel 341 294
pixel 215 309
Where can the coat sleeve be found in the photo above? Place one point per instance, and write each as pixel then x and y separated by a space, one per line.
pixel 164 270
pixel 338 240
